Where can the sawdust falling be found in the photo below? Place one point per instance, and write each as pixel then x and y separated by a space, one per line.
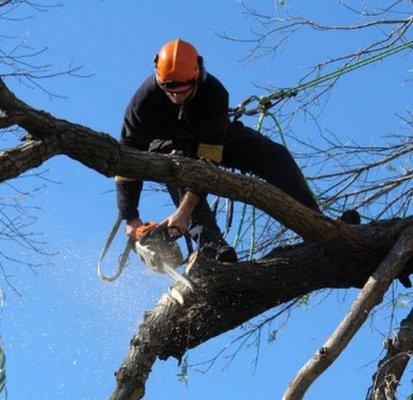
pixel 67 316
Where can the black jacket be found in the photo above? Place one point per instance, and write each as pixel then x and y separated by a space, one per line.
pixel 154 123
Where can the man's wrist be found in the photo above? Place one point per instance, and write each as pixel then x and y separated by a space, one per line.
pixel 134 221
pixel 188 203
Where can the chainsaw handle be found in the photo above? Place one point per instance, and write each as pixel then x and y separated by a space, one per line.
pixel 164 228
pixel 123 258
pixel 173 237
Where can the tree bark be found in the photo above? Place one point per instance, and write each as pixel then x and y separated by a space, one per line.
pixel 371 295
pixel 105 155
pixel 392 366
pixel 229 295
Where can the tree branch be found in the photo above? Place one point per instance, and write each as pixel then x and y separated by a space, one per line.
pixel 6 121
pixel 371 295
pixel 102 153
pixel 228 295
pixel 215 308
pixel 392 366
pixel 30 154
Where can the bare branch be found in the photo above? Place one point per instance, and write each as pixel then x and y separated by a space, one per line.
pixel 371 295
pixel 272 30
pixel 6 122
pixel 5 2
pixel 30 154
pixel 373 12
pixel 392 366
pixel 227 295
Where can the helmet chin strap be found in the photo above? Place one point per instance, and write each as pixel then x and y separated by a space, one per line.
pixel 202 74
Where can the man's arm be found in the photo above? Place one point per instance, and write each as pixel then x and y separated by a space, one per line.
pixel 212 131
pixel 128 190
pixel 178 222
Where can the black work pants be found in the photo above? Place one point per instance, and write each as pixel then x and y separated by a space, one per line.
pixel 250 152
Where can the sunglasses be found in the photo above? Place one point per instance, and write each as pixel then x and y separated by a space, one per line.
pixel 174 86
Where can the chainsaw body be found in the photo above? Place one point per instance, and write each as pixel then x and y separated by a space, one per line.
pixel 154 245
pixel 160 251
pixel 157 248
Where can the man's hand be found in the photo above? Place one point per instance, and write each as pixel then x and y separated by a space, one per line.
pixel 178 222
pixel 131 226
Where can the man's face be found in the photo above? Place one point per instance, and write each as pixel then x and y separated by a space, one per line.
pixel 181 94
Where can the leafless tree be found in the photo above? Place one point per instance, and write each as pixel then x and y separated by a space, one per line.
pixel 335 254
pixel 19 61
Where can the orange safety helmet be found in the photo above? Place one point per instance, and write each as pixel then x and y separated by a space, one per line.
pixel 177 64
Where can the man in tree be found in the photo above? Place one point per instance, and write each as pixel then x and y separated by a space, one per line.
pixel 182 107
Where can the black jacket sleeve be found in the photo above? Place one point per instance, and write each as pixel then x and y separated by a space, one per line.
pixel 128 190
pixel 128 194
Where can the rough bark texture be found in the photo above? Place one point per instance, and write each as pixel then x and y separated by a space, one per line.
pixel 392 366
pixel 229 295
pixel 371 295
pixel 30 154
pixel 341 256
pixel 105 155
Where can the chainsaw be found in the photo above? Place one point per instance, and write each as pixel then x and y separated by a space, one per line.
pixel 154 245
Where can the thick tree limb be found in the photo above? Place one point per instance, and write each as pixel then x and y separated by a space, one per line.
pixel 6 122
pixel 371 295
pixel 104 154
pixel 30 154
pixel 392 366
pixel 229 295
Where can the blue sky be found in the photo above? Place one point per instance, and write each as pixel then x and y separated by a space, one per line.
pixel 68 332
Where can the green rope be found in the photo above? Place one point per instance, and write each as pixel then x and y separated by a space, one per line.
pixel 334 74
pixel 322 204
pixel 253 234
pixel 280 131
pixel 2 371
pixel 282 136
pixel 265 103
pixel 259 127
pixel 241 223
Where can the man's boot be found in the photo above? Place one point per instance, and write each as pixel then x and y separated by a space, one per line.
pixel 220 251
